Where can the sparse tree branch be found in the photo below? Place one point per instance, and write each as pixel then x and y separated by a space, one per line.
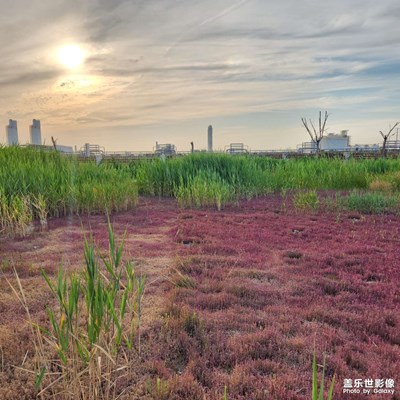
pixel 392 129
pixel 386 137
pixel 316 136
pixel 315 131
pixel 325 119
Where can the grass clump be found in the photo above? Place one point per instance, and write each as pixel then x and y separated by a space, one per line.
pixel 319 394
pixel 15 214
pixel 370 202
pixel 307 200
pixel 379 185
pixel 181 280
pixel 93 328
pixel 159 389
pixel 205 189
pixel 394 180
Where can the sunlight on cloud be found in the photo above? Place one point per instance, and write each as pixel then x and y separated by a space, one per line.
pixel 79 84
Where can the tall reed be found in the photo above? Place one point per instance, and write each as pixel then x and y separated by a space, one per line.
pixel 249 176
pixel 35 185
pixel 93 328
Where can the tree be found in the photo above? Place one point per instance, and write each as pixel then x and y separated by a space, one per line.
pixel 54 143
pixel 386 137
pixel 316 135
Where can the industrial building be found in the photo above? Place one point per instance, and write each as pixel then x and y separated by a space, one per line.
pixel 237 148
pixel 12 133
pixel 35 136
pixel 89 150
pixel 210 139
pixel 336 142
pixel 166 149
pixel 35 133
pixel 341 143
pixel 330 142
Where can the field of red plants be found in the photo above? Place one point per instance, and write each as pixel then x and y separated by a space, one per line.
pixel 237 299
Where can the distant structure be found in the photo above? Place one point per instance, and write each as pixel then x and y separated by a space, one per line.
pixel 166 149
pixel 369 148
pixel 90 150
pixel 12 133
pixel 237 148
pixel 210 139
pixel 334 141
pixel 35 132
pixel 330 142
pixel 64 149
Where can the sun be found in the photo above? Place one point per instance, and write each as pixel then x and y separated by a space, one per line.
pixel 71 56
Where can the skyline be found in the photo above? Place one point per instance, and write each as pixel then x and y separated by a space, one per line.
pixel 164 70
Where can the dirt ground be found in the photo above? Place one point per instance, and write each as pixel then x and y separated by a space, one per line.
pixel 239 298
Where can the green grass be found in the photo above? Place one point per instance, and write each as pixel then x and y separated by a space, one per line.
pixel 371 202
pixel 92 329
pixel 205 189
pixel 306 200
pixel 318 388
pixel 217 179
pixel 35 185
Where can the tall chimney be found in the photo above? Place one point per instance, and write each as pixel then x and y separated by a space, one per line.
pixel 210 139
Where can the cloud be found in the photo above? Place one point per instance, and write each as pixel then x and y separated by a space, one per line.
pixel 169 62
pixel 29 78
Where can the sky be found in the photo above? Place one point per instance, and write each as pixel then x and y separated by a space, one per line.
pixel 163 70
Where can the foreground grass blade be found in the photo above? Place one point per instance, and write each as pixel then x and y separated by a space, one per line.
pixel 95 313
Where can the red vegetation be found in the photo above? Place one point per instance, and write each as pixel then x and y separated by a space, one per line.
pixel 270 283
pixel 242 296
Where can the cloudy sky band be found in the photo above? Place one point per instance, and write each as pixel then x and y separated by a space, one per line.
pixel 165 69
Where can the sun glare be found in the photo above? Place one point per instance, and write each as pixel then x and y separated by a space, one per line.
pixel 71 56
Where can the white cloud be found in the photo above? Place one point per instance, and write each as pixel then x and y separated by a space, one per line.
pixel 161 65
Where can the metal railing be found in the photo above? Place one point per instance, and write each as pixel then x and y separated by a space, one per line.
pixel 99 154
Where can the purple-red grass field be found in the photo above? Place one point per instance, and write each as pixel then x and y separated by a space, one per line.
pixel 239 298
